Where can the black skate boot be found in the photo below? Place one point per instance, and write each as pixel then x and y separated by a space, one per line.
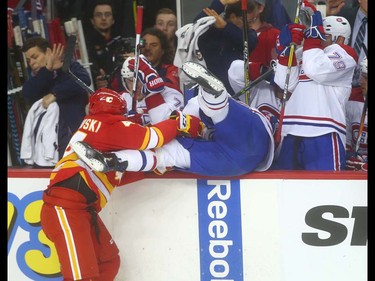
pixel 97 161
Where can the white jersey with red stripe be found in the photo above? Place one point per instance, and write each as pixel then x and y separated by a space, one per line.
pixel 319 92
pixel 354 110
pixel 157 107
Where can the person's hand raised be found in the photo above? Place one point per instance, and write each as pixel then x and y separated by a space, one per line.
pixel 55 57
pixel 220 22
pixel 333 7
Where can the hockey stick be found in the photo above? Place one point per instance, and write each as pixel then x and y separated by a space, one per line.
pixel 247 88
pixel 137 53
pixel 69 50
pixel 361 126
pixel 363 116
pixel 286 85
pixel 245 50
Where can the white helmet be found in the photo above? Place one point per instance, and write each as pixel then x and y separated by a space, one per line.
pixel 364 65
pixel 337 26
pixel 125 71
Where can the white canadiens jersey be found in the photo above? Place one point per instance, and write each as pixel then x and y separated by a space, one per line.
pixel 354 109
pixel 173 99
pixel 263 98
pixel 320 88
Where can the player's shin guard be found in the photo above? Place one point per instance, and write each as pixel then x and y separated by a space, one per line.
pixel 171 155
pixel 138 160
pixel 214 107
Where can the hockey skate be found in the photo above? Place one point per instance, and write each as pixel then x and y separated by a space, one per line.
pixel 97 161
pixel 209 82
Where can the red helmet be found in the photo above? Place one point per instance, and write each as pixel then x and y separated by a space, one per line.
pixel 105 100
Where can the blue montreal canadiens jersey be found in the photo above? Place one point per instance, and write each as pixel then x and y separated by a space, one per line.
pixel 233 151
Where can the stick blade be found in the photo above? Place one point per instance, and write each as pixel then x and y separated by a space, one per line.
pixel 69 51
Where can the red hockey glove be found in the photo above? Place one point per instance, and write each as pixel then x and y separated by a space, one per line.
pixel 290 33
pixel 357 163
pixel 151 80
pixel 139 118
pixel 188 125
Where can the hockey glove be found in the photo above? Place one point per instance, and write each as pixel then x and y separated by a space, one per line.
pixel 256 69
pixel 316 29
pixel 289 34
pixel 188 125
pixel 151 80
pixel 139 118
pixel 356 162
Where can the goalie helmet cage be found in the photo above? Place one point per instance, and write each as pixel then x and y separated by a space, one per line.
pixel 29 19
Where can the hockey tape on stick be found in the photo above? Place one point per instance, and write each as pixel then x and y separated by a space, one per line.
pixel 68 55
pixel 247 88
pixel 245 49
pixel 137 53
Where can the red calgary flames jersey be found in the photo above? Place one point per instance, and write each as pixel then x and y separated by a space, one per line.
pixel 106 132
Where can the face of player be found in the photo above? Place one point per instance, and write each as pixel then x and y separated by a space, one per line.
pixel 152 49
pixel 36 59
pixel 128 83
pixel 167 23
pixel 329 40
pixel 102 19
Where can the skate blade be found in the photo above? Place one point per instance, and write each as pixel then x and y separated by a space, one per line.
pixel 200 74
pixel 93 163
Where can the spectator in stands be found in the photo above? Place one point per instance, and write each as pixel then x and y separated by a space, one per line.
pixel 357 124
pixel 355 12
pixel 159 53
pixel 49 84
pixel 166 21
pixel 313 128
pixel 97 35
pixel 223 42
pixel 276 13
pixel 150 10
pixel 157 50
pixel 265 51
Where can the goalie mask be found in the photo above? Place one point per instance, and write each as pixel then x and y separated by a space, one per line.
pixel 107 101
pixel 337 26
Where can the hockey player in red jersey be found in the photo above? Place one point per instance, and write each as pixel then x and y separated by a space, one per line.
pixel 76 194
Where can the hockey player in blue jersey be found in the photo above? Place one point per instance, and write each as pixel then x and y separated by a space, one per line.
pixel 236 139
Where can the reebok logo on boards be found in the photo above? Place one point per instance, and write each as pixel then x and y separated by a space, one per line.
pixel 220 231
